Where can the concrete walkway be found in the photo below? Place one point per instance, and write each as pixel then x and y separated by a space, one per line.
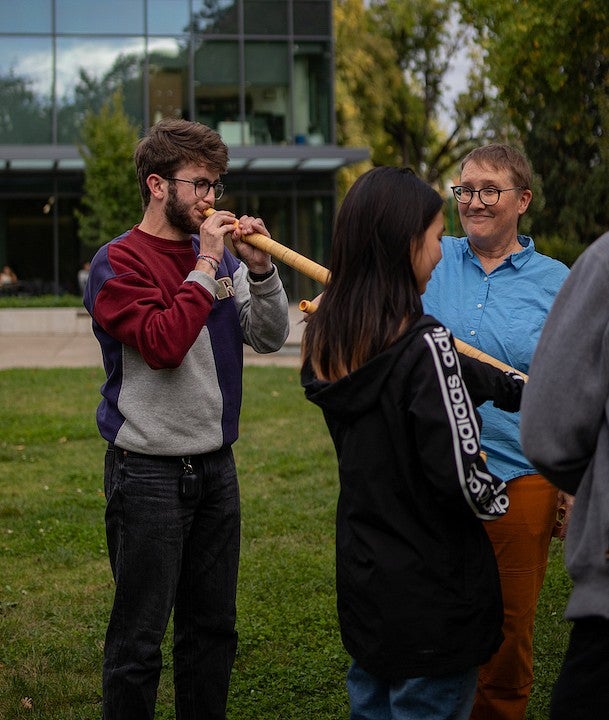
pixel 62 337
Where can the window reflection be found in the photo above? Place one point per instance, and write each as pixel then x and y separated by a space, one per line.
pixel 167 79
pixel 215 16
pixel 312 93
pixel 267 91
pixel 217 101
pixel 265 17
pixel 25 90
pixel 89 71
pixel 31 17
pixel 109 16
pixel 312 17
pixel 168 17
pixel 240 82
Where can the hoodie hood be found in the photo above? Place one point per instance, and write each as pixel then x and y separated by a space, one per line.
pixel 353 395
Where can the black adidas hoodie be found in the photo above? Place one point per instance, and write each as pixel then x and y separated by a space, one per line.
pixel 417 582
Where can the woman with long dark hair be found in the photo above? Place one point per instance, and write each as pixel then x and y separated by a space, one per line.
pixel 419 599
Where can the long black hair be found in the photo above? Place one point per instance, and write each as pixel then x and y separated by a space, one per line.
pixel 372 293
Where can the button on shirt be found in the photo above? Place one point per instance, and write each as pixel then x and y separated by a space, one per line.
pixel 501 313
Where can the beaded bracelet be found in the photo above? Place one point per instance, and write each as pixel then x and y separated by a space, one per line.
pixel 215 264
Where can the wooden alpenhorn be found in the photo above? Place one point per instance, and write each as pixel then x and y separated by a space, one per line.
pixel 290 257
pixel 318 272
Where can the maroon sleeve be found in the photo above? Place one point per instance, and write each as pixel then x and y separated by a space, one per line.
pixel 148 304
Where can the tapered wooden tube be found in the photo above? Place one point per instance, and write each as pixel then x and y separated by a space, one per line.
pixel 306 306
pixel 483 357
pixel 318 272
pixel 290 257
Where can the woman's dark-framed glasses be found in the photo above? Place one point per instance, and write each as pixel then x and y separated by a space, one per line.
pixel 203 186
pixel 487 195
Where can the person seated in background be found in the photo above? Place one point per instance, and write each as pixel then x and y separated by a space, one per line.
pixel 83 276
pixel 9 284
pixel 7 276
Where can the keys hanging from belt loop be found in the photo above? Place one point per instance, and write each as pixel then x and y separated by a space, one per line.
pixel 189 485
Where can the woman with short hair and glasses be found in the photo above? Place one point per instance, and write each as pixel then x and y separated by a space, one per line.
pixel 494 291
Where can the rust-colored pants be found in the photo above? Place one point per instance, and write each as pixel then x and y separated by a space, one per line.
pixel 521 539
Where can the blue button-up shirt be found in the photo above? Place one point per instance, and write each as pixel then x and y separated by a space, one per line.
pixel 502 314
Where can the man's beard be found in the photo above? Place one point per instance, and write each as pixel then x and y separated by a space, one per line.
pixel 178 214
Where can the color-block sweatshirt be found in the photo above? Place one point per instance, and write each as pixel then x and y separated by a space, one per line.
pixel 172 342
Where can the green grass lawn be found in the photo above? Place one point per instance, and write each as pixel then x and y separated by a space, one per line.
pixel 55 581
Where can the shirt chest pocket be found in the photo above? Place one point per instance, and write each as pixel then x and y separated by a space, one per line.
pixel 523 326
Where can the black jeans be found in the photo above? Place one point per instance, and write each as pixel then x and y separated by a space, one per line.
pixel 582 689
pixel 167 551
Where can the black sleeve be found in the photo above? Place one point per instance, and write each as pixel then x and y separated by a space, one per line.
pixel 486 382
pixel 448 431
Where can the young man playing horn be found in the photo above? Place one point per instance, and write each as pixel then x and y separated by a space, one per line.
pixel 494 291
pixel 171 308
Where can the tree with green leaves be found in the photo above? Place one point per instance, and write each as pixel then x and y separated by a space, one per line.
pixel 91 92
pixel 548 61
pixel 359 56
pixel 424 130
pixel 111 199
pixel 392 62
pixel 25 116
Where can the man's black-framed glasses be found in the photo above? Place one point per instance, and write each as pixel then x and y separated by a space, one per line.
pixel 487 195
pixel 203 186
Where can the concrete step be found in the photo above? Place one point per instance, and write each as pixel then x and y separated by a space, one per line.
pixel 62 337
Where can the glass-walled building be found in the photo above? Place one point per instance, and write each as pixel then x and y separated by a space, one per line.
pixel 258 71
